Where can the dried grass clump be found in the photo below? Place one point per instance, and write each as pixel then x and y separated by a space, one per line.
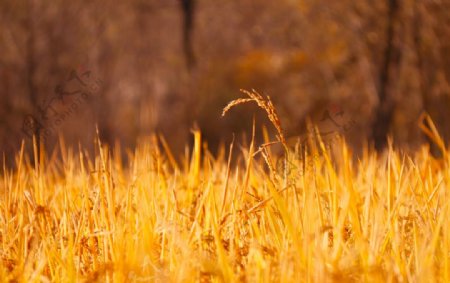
pixel 202 219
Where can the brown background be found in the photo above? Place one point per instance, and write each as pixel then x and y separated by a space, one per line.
pixel 163 66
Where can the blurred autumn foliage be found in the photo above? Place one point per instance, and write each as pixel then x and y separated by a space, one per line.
pixel 163 66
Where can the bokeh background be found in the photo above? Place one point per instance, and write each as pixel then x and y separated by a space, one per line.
pixel 132 68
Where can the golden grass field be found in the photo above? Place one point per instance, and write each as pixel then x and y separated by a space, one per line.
pixel 324 216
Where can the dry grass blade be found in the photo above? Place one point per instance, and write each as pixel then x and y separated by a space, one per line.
pixel 427 125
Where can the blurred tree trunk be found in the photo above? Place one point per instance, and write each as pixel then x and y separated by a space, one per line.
pixel 417 37
pixel 384 113
pixel 105 117
pixel 30 66
pixel 188 7
pixel 431 62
